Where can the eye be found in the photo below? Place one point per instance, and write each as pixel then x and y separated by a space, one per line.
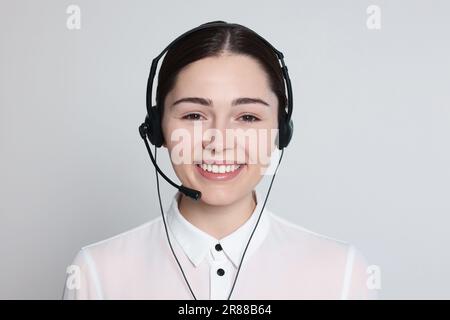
pixel 249 118
pixel 192 116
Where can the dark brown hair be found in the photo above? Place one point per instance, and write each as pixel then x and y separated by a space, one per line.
pixel 214 41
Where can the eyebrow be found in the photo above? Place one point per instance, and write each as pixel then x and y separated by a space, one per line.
pixel 209 103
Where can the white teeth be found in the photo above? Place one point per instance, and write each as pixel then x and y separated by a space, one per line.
pixel 219 168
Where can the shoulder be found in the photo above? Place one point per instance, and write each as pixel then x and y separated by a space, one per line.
pixel 302 243
pixel 294 233
pixel 335 257
pixel 95 265
pixel 129 242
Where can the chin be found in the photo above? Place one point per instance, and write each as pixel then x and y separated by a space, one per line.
pixel 219 197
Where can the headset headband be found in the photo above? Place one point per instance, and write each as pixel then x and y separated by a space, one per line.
pixel 279 54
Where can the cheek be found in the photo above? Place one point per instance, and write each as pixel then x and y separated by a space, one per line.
pixel 182 171
pixel 172 126
pixel 178 137
pixel 260 150
pixel 253 175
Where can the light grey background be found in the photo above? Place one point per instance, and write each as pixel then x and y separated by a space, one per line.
pixel 368 162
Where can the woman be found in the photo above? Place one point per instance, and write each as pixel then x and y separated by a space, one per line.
pixel 219 79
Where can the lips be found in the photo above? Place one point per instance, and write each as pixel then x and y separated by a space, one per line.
pixel 217 172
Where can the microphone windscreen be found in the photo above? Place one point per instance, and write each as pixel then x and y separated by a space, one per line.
pixel 191 193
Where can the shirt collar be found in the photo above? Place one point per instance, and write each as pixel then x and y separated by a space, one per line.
pixel 196 243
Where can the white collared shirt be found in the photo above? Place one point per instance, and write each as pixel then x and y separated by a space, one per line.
pixel 282 261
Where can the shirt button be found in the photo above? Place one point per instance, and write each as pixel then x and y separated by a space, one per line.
pixel 218 247
pixel 220 272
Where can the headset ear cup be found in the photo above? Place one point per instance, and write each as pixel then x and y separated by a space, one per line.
pixel 154 123
pixel 285 132
pixel 289 132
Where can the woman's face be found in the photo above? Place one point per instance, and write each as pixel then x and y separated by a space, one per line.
pixel 214 127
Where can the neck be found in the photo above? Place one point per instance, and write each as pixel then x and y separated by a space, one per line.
pixel 217 221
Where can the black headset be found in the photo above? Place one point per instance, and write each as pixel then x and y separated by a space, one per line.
pixel 151 129
pixel 153 118
pixel 152 124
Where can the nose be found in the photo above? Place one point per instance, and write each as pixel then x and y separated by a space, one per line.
pixel 215 137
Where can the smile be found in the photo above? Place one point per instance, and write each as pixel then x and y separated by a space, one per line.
pixel 219 172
